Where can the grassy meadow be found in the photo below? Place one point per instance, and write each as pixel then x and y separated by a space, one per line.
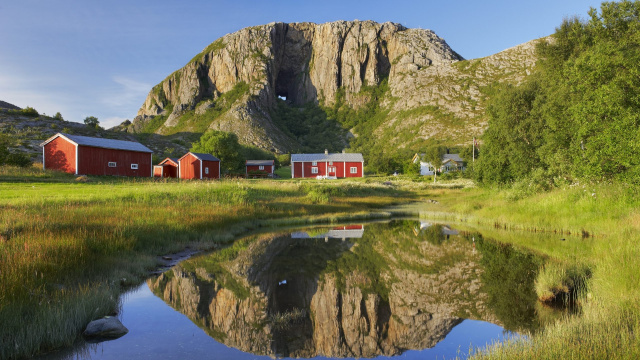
pixel 70 246
pixel 595 261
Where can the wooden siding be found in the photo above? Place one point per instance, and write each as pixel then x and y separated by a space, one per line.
pixel 95 161
pixel 189 167
pixel 214 169
pixel 166 170
pixel 60 154
pixel 268 169
pixel 338 169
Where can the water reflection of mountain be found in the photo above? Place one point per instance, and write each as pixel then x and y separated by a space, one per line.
pixel 380 294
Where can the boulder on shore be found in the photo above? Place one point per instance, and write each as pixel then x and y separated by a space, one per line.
pixel 106 328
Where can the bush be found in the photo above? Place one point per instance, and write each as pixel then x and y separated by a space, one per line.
pixel 18 159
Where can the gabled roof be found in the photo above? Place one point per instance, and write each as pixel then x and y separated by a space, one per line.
pixel 101 143
pixel 201 156
pixel 354 157
pixel 260 162
pixel 454 157
pixel 169 159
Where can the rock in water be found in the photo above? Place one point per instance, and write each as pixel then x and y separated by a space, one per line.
pixel 106 328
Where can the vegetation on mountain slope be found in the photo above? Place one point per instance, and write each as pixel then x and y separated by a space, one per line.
pixel 577 116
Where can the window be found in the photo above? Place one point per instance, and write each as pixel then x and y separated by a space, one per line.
pixel 314 170
pixel 206 170
pixel 134 166
pixel 354 170
pixel 330 162
pixel 314 163
pixel 112 164
pixel 261 167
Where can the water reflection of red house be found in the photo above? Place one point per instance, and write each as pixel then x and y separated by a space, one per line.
pixel 338 232
pixel 167 168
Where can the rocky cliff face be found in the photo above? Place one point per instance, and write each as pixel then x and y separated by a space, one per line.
pixel 302 62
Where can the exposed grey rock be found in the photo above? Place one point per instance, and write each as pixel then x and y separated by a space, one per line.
pixel 106 328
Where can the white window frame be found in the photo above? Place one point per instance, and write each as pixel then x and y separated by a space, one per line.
pixel 261 167
pixel 353 170
pixel 112 164
pixel 314 170
pixel 134 166
pixel 314 163
pixel 330 162
pixel 206 170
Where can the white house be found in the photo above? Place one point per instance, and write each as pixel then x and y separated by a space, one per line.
pixel 450 162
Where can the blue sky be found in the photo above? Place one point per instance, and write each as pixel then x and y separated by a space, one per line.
pixel 101 58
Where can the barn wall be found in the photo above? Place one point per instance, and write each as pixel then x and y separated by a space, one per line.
pixel 94 161
pixel 349 165
pixel 60 154
pixel 214 169
pixel 189 167
pixel 268 169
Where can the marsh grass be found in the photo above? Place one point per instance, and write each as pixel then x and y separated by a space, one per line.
pixel 592 235
pixel 57 233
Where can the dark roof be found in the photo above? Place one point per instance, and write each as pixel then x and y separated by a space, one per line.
pixel 454 157
pixel 101 143
pixel 260 162
pixel 201 156
pixel 355 157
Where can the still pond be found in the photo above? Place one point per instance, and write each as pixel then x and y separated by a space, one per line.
pixel 406 288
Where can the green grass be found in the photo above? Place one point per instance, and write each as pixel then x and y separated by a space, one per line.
pixel 61 236
pixel 600 225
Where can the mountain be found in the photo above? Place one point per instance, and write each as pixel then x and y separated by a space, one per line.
pixel 304 86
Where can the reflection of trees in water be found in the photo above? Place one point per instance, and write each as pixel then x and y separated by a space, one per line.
pixel 508 280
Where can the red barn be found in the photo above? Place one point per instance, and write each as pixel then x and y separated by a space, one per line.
pixel 167 168
pixel 340 165
pixel 260 167
pixel 83 155
pixel 198 166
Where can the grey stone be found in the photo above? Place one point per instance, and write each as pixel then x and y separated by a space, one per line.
pixel 106 328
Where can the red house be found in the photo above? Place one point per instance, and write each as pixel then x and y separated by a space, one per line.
pixel 167 168
pixel 198 166
pixel 332 166
pixel 259 168
pixel 83 155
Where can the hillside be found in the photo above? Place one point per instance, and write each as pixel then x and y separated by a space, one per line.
pixel 28 131
pixel 306 87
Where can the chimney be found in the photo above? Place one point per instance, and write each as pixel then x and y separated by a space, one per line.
pixel 326 152
pixel 344 151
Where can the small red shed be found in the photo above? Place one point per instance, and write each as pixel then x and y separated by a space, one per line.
pixel 259 168
pixel 84 155
pixel 167 168
pixel 332 166
pixel 198 166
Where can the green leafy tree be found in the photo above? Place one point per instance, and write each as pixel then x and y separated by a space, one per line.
pixel 576 117
pixel 92 121
pixel 5 141
pixel 224 146
pixel 434 156
pixel 58 116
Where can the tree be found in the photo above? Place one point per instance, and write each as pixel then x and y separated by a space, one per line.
pixel 224 146
pixel 92 121
pixel 434 157
pixel 5 141
pixel 58 116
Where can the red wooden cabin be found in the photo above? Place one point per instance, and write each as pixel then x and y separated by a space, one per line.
pixel 167 168
pixel 198 166
pixel 259 168
pixel 339 165
pixel 83 155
